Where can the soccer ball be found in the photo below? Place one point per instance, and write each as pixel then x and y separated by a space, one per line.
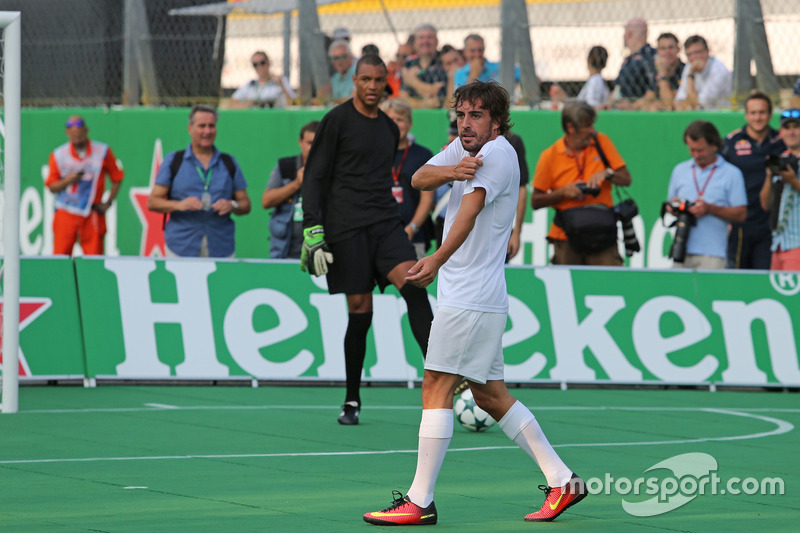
pixel 470 415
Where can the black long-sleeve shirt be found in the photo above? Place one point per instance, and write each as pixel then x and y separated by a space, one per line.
pixel 347 182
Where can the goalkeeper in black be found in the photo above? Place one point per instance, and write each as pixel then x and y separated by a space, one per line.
pixel 352 227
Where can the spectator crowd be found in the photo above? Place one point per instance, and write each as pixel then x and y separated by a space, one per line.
pixel 739 189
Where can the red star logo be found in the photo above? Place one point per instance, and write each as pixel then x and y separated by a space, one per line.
pixel 29 310
pixel 152 222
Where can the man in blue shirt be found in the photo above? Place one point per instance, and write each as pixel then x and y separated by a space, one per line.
pixel 716 190
pixel 477 67
pixel 748 148
pixel 345 68
pixel 201 194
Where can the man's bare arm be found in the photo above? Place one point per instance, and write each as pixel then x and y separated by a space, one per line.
pixel 424 272
pixel 431 177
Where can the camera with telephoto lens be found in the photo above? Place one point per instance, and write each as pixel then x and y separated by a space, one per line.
pixel 778 163
pixel 625 211
pixel 585 189
pixel 683 223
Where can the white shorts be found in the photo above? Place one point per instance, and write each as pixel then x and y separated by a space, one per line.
pixel 467 343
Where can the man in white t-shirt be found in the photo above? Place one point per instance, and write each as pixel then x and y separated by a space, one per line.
pixel 467 330
pixel 706 82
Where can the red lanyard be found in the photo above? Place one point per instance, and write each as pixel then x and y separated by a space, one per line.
pixel 578 164
pixel 396 170
pixel 705 185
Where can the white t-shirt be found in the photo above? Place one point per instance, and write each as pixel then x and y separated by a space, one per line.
pixel 474 276
pixel 714 85
pixel 268 94
pixel 595 91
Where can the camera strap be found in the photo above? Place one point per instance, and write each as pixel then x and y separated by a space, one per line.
pixel 620 194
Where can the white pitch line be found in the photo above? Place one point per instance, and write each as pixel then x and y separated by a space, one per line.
pixel 161 406
pixel 782 427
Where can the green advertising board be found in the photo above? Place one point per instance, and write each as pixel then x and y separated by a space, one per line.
pixel 194 318
pixel 50 336
pixel 650 143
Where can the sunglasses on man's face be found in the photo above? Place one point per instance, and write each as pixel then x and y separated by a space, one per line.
pixel 75 123
pixel 791 113
pixel 261 63
pixel 338 58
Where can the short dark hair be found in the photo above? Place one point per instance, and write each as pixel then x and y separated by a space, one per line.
pixel 759 95
pixel 370 49
pixel 703 129
pixel 311 127
pixel 203 108
pixel 578 113
pixel 668 35
pixel 494 98
pixel 695 39
pixel 598 56
pixel 473 37
pixel 371 59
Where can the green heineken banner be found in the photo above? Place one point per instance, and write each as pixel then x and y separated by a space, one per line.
pixel 51 342
pixel 650 143
pixel 192 318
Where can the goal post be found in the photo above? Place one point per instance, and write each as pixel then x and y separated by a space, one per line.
pixel 10 69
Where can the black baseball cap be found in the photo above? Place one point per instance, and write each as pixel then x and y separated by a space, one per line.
pixel 790 115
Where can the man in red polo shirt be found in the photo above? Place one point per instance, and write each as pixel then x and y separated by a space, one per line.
pixel 77 178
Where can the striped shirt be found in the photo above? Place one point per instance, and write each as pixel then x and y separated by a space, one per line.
pixel 787 235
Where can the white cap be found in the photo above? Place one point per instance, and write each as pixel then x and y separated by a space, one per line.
pixel 341 33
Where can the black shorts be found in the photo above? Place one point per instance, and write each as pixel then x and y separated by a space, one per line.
pixel 366 258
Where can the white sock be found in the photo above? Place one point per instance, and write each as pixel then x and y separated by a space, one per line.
pixel 521 426
pixel 435 432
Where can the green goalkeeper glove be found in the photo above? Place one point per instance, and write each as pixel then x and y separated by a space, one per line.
pixel 315 254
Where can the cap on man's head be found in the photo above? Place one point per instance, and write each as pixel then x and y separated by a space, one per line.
pixel 341 33
pixel 790 115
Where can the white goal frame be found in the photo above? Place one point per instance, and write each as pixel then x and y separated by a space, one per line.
pixel 10 24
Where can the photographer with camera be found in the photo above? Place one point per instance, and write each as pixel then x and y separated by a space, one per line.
pixel 706 193
pixel 573 178
pixel 748 148
pixel 780 196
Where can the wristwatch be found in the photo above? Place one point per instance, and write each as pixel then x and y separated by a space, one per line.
pixel 234 204
pixel 610 173
pixel 414 227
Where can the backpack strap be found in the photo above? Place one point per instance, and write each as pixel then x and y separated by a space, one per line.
pixel 229 163
pixel 174 167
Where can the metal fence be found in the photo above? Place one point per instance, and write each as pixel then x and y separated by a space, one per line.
pixel 73 52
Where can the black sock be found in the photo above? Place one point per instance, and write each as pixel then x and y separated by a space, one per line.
pixel 420 315
pixel 355 348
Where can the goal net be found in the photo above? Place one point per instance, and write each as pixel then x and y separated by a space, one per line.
pixel 10 72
